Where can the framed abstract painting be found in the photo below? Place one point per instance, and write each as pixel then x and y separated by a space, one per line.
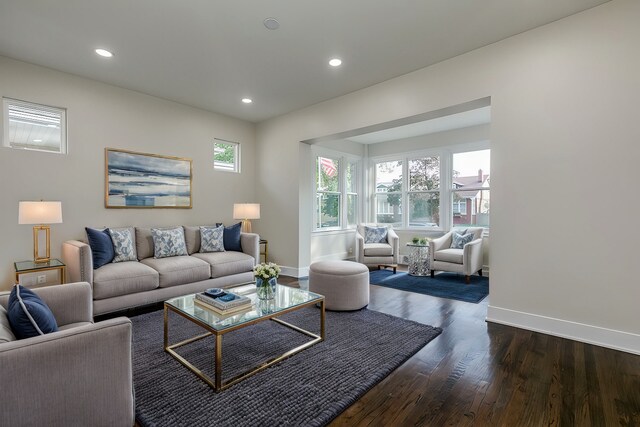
pixel 141 180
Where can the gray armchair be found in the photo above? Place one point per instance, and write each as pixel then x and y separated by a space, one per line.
pixel 80 375
pixel 373 254
pixel 467 261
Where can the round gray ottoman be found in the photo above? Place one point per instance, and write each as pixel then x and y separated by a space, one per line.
pixel 344 284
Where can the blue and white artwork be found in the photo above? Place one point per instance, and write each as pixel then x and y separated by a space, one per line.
pixel 138 180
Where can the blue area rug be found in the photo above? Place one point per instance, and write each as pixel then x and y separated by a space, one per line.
pixel 444 285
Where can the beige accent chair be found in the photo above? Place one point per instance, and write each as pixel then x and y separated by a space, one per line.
pixel 80 375
pixel 374 254
pixel 467 261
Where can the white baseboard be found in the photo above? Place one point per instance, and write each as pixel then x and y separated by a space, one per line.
pixel 609 338
pixel 294 272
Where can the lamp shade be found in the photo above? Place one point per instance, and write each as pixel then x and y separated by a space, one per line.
pixel 39 212
pixel 246 211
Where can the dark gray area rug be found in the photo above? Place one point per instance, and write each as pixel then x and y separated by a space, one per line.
pixel 308 389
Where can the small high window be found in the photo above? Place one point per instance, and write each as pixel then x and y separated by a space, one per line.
pixel 30 126
pixel 226 156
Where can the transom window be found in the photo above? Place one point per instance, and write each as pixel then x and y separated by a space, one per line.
pixel 226 156
pixel 31 126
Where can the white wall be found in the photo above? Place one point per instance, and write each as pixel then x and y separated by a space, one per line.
pixel 564 101
pixel 102 116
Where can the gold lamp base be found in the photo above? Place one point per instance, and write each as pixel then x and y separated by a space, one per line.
pixel 36 250
pixel 246 226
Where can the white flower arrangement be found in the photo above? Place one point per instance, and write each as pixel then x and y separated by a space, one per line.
pixel 266 271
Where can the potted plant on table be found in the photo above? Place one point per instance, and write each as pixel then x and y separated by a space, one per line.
pixel 266 275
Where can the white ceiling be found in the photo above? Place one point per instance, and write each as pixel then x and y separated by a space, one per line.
pixel 212 53
pixel 465 119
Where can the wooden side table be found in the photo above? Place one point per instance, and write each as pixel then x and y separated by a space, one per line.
pixel 26 267
pixel 265 243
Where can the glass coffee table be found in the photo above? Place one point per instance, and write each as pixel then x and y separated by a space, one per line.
pixel 286 300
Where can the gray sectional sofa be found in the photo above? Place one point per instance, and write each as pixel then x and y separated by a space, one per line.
pixel 123 285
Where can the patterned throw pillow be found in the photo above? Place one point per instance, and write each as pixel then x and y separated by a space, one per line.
pixel 212 239
pixel 458 240
pixel 168 242
pixel 123 245
pixel 375 234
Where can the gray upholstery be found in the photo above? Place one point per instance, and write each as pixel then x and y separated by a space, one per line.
pixel 144 243
pixel 80 375
pixel 226 263
pixel 123 278
pixel 77 257
pixel 178 270
pixel 466 261
pixel 161 294
pixel 192 238
pixel 377 253
pixel 128 284
pixel 344 284
pixel 6 334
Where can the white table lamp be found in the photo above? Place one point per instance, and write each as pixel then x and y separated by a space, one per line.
pixel 40 213
pixel 246 212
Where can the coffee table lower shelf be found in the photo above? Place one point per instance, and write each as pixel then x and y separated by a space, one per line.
pixel 217 384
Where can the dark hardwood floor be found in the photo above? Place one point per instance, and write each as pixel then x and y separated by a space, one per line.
pixel 483 374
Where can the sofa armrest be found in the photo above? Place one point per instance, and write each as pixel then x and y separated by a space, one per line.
pixel 359 248
pixel 394 241
pixel 80 376
pixel 70 303
pixel 250 243
pixel 441 242
pixel 78 258
pixel 472 257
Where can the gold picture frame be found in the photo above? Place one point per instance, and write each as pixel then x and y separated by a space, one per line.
pixel 136 180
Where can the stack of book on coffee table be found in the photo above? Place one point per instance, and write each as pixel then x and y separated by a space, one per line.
pixel 222 302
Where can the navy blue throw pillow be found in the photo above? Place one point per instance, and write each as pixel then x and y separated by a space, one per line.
pixel 101 246
pixel 231 237
pixel 28 315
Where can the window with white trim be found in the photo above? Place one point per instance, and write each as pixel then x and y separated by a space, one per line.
pixel 470 179
pixel 30 126
pixel 440 190
pixel 226 155
pixel 337 183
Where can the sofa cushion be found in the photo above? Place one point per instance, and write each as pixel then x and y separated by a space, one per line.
pixel 232 237
pixel 179 270
pixel 212 239
pixel 101 246
pixel 377 249
pixel 459 240
pixel 144 243
pixel 168 242
pixel 28 315
pixel 6 334
pixel 449 255
pixel 123 278
pixel 124 244
pixel 227 263
pixel 192 238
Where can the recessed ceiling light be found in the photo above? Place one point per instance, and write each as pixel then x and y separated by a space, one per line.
pixel 104 52
pixel 37 140
pixel 247 100
pixel 335 62
pixel 271 23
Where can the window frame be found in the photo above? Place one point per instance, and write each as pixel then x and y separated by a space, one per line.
pixel 6 142
pixel 445 189
pixel 236 156
pixel 343 159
